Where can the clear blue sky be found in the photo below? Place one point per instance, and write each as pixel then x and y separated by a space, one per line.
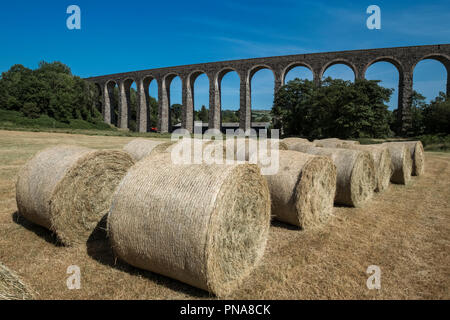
pixel 119 36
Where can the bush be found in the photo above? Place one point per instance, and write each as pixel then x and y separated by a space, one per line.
pixel 437 142
pixel 436 115
pixel 11 119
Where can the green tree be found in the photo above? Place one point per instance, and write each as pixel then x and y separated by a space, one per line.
pixel 153 112
pixel 337 108
pixel 436 115
pixel 175 113
pixel 418 105
pixel 203 115
pixel 50 90
pixel 31 110
pixel 230 116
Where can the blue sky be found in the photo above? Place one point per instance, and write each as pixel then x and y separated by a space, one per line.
pixel 119 36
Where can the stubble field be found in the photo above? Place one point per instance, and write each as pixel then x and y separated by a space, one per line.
pixel 405 231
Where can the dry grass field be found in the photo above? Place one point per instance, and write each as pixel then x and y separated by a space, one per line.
pixel 405 231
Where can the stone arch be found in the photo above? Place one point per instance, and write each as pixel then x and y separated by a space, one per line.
pixel 189 104
pixel 111 100
pixel 395 62
pixel 147 116
pixel 195 74
pixel 223 72
pixel 128 104
pixel 215 119
pixel 398 66
pixel 167 78
pixel 339 61
pixel 250 111
pixel 293 65
pixel 255 69
pixel 440 57
pixel 165 105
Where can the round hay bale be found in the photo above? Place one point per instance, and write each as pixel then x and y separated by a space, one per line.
pixel 293 141
pixel 205 225
pixel 191 150
pixel 12 287
pixel 355 181
pixel 401 163
pixel 242 147
pixel 140 148
pixel 354 142
pixel 68 189
pixel 328 144
pixel 334 143
pixel 417 156
pixel 382 160
pixel 303 189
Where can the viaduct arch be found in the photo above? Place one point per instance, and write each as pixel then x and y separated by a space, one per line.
pixel 403 58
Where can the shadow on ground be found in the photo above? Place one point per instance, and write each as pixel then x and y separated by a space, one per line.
pixel 99 249
pixel 282 225
pixel 41 232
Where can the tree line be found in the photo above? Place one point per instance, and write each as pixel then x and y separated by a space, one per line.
pixel 346 109
pixel 50 90
pixel 337 108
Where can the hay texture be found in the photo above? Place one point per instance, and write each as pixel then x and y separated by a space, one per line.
pixel 355 182
pixel 205 225
pixel 328 144
pixel 68 189
pixel 290 142
pixel 140 148
pixel 383 166
pixel 189 149
pixel 417 155
pixel 12 287
pixel 334 143
pixel 243 148
pixel 303 189
pixel 401 162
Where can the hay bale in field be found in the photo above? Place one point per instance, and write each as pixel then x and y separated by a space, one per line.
pixel 192 148
pixel 140 148
pixel 205 225
pixel 355 173
pixel 401 162
pixel 68 189
pixel 303 189
pixel 334 143
pixel 289 142
pixel 354 142
pixel 244 147
pixel 328 144
pixel 382 160
pixel 12 287
pixel 417 155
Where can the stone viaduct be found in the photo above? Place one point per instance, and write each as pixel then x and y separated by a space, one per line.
pixel 403 58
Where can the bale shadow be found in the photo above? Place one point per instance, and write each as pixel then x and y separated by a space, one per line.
pixel 283 225
pixel 99 249
pixel 38 230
